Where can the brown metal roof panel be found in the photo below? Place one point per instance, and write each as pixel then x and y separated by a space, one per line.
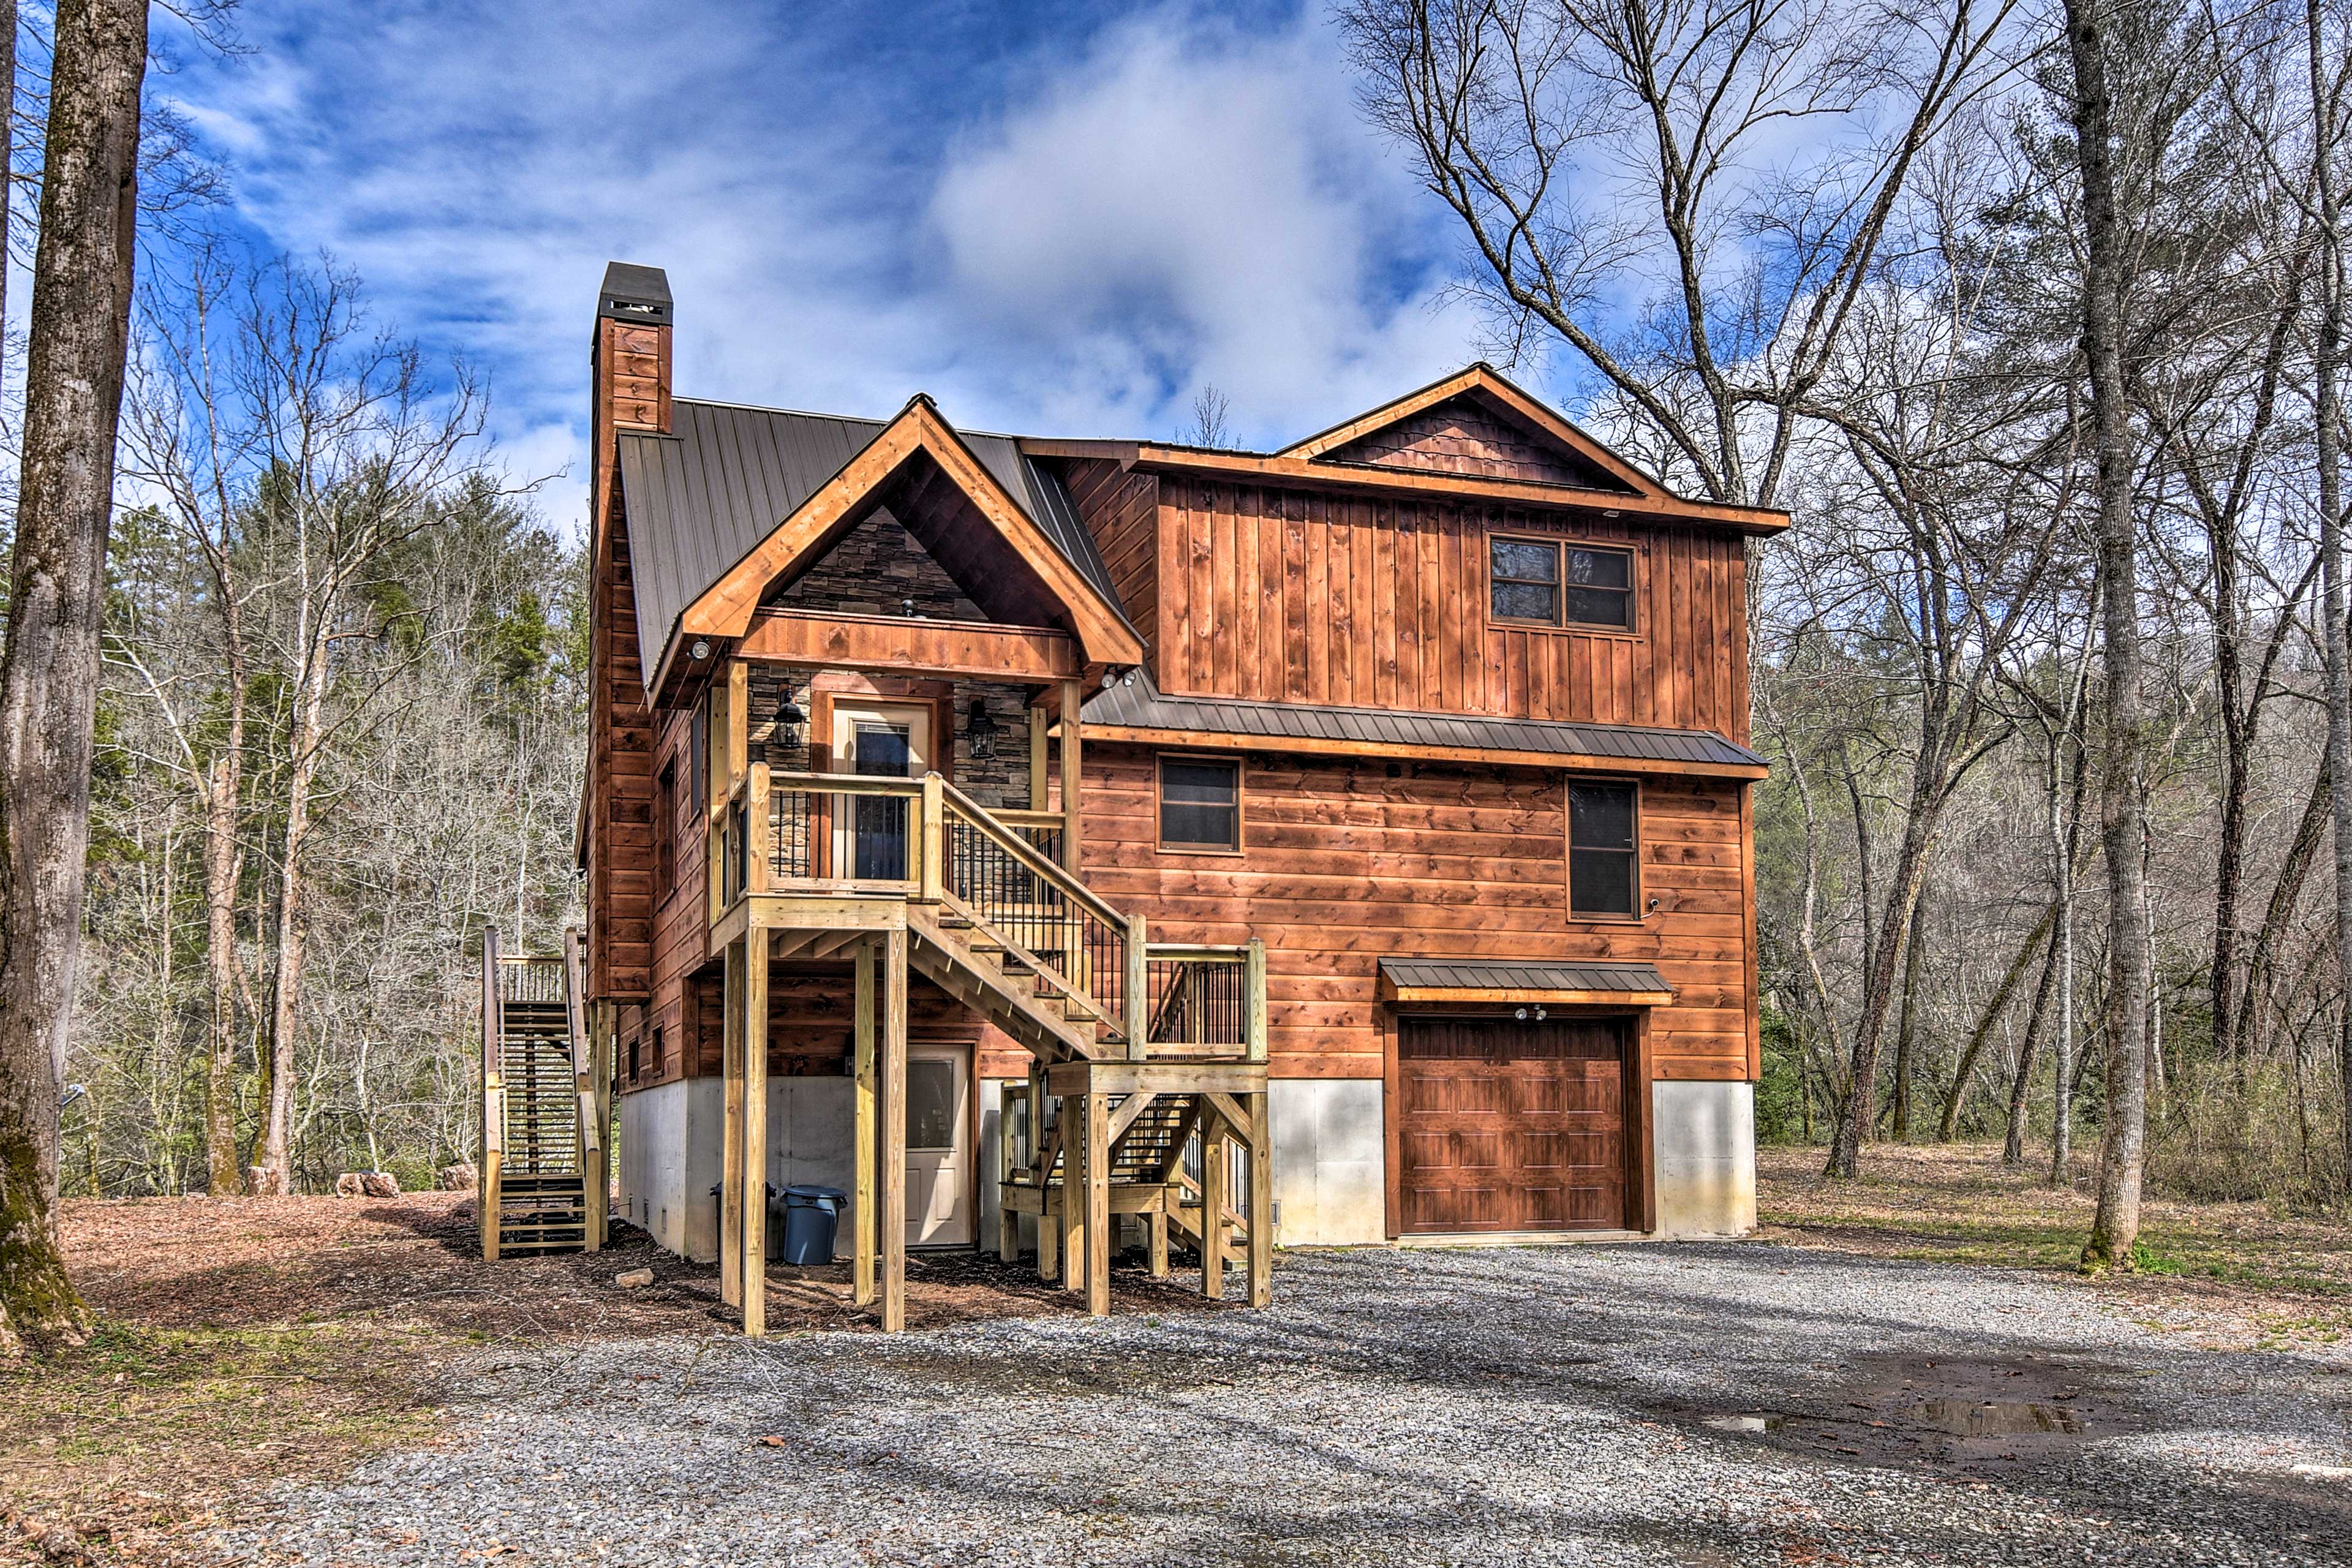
pixel 1461 974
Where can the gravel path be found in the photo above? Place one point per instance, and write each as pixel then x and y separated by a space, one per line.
pixel 1745 1403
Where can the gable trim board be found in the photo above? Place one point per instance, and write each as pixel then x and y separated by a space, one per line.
pixel 1134 709
pixel 711 497
pixel 1484 382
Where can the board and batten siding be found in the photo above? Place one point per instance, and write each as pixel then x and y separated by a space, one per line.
pixel 1344 865
pixel 1300 595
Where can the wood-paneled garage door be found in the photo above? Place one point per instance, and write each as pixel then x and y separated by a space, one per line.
pixel 1505 1126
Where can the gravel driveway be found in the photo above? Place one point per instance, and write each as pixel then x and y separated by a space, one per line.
pixel 1638 1404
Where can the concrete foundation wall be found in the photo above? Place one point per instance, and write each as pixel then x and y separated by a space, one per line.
pixel 670 1142
pixel 1330 1162
pixel 1704 1138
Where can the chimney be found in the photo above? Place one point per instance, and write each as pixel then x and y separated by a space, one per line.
pixel 629 361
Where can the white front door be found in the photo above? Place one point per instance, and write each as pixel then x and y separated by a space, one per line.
pixel 938 1147
pixel 878 740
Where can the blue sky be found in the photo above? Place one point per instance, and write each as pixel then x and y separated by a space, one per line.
pixel 1054 219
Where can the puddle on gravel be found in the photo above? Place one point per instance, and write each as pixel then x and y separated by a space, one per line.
pixel 1979 1415
pixel 1996 1418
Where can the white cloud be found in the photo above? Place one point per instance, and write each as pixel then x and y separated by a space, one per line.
pixel 1048 239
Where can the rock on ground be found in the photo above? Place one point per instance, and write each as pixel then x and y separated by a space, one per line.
pixel 1649 1404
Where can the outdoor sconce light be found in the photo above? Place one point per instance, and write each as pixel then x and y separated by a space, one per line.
pixel 981 729
pixel 1521 1015
pixel 700 651
pixel 789 720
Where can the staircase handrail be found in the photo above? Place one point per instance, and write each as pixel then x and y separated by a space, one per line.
pixel 1059 877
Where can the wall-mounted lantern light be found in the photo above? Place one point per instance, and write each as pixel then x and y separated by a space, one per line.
pixel 789 720
pixel 981 729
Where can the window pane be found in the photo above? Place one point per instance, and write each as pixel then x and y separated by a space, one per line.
pixel 1212 825
pixel 1600 883
pixel 1600 816
pixel 1600 568
pixel 1516 557
pixel 1598 607
pixel 930 1103
pixel 1199 803
pixel 885 751
pixel 1524 602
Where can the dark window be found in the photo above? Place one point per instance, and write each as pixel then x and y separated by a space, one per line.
pixel 633 1058
pixel 1603 878
pixel 666 830
pixel 1199 804
pixel 658 1060
pixel 1555 584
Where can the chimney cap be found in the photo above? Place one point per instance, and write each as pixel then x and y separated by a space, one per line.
pixel 635 293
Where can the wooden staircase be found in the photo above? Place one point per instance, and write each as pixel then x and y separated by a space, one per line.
pixel 538 1128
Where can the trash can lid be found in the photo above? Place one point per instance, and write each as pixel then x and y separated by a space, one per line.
pixel 835 1194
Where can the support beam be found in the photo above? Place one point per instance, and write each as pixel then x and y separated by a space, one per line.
pixel 1096 1219
pixel 1073 693
pixel 1261 1205
pixel 864 1223
pixel 1216 1165
pixel 1037 757
pixel 1073 1207
pixel 893 1109
pixel 730 1147
pixel 603 1026
pixel 1008 1222
pixel 755 1133
pixel 1158 1220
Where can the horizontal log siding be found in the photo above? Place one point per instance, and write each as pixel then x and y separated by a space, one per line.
pixel 1304 596
pixel 1344 865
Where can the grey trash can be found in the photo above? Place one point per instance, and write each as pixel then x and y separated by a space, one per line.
pixel 811 1214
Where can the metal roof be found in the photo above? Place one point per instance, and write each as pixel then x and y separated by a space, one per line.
pixel 702 498
pixel 1462 974
pixel 1141 705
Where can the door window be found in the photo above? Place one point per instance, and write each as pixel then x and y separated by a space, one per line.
pixel 882 750
pixel 930 1103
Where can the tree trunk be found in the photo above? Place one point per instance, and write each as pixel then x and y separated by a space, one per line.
pixel 2262 961
pixel 2327 363
pixel 273 1161
pixel 2123 1134
pixel 222 865
pixel 1907 1030
pixel 2020 1086
pixel 2035 942
pixel 50 668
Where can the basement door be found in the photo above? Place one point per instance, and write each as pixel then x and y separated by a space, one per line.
pixel 939 1191
pixel 1511 1126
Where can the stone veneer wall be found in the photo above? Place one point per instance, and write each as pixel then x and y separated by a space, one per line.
pixel 878 569
pixel 1001 781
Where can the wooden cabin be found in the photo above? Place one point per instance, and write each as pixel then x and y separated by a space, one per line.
pixel 1344 845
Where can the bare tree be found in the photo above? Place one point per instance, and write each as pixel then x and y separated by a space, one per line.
pixel 1209 410
pixel 48 671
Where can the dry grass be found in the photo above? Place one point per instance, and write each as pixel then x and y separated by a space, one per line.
pixel 2236 1272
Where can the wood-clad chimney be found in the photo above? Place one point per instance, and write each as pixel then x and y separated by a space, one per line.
pixel 628 365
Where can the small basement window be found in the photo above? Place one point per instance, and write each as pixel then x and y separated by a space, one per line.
pixel 1603 874
pixel 1199 804
pixel 1555 583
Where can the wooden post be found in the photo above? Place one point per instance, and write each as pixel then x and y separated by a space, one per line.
pixel 1253 1009
pixel 1037 750
pixel 1098 1202
pixel 1139 991
pixel 755 1132
pixel 731 1153
pixel 1008 1224
pixel 494 1099
pixel 1074 1190
pixel 1158 1238
pixel 1073 691
pixel 864 1227
pixel 1216 1166
pixel 1261 1202
pixel 893 1108
pixel 932 877
pixel 759 850
pixel 601 1029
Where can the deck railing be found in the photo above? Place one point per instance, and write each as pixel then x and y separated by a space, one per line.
pixel 1001 873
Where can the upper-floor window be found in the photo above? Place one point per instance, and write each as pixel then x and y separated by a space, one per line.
pixel 666 830
pixel 1559 582
pixel 1199 804
pixel 1603 876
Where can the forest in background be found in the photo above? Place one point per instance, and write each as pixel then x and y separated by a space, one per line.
pixel 1860 253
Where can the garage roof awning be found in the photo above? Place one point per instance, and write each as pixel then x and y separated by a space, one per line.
pixel 1410 980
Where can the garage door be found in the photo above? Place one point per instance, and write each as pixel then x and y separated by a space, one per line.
pixel 1508 1126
